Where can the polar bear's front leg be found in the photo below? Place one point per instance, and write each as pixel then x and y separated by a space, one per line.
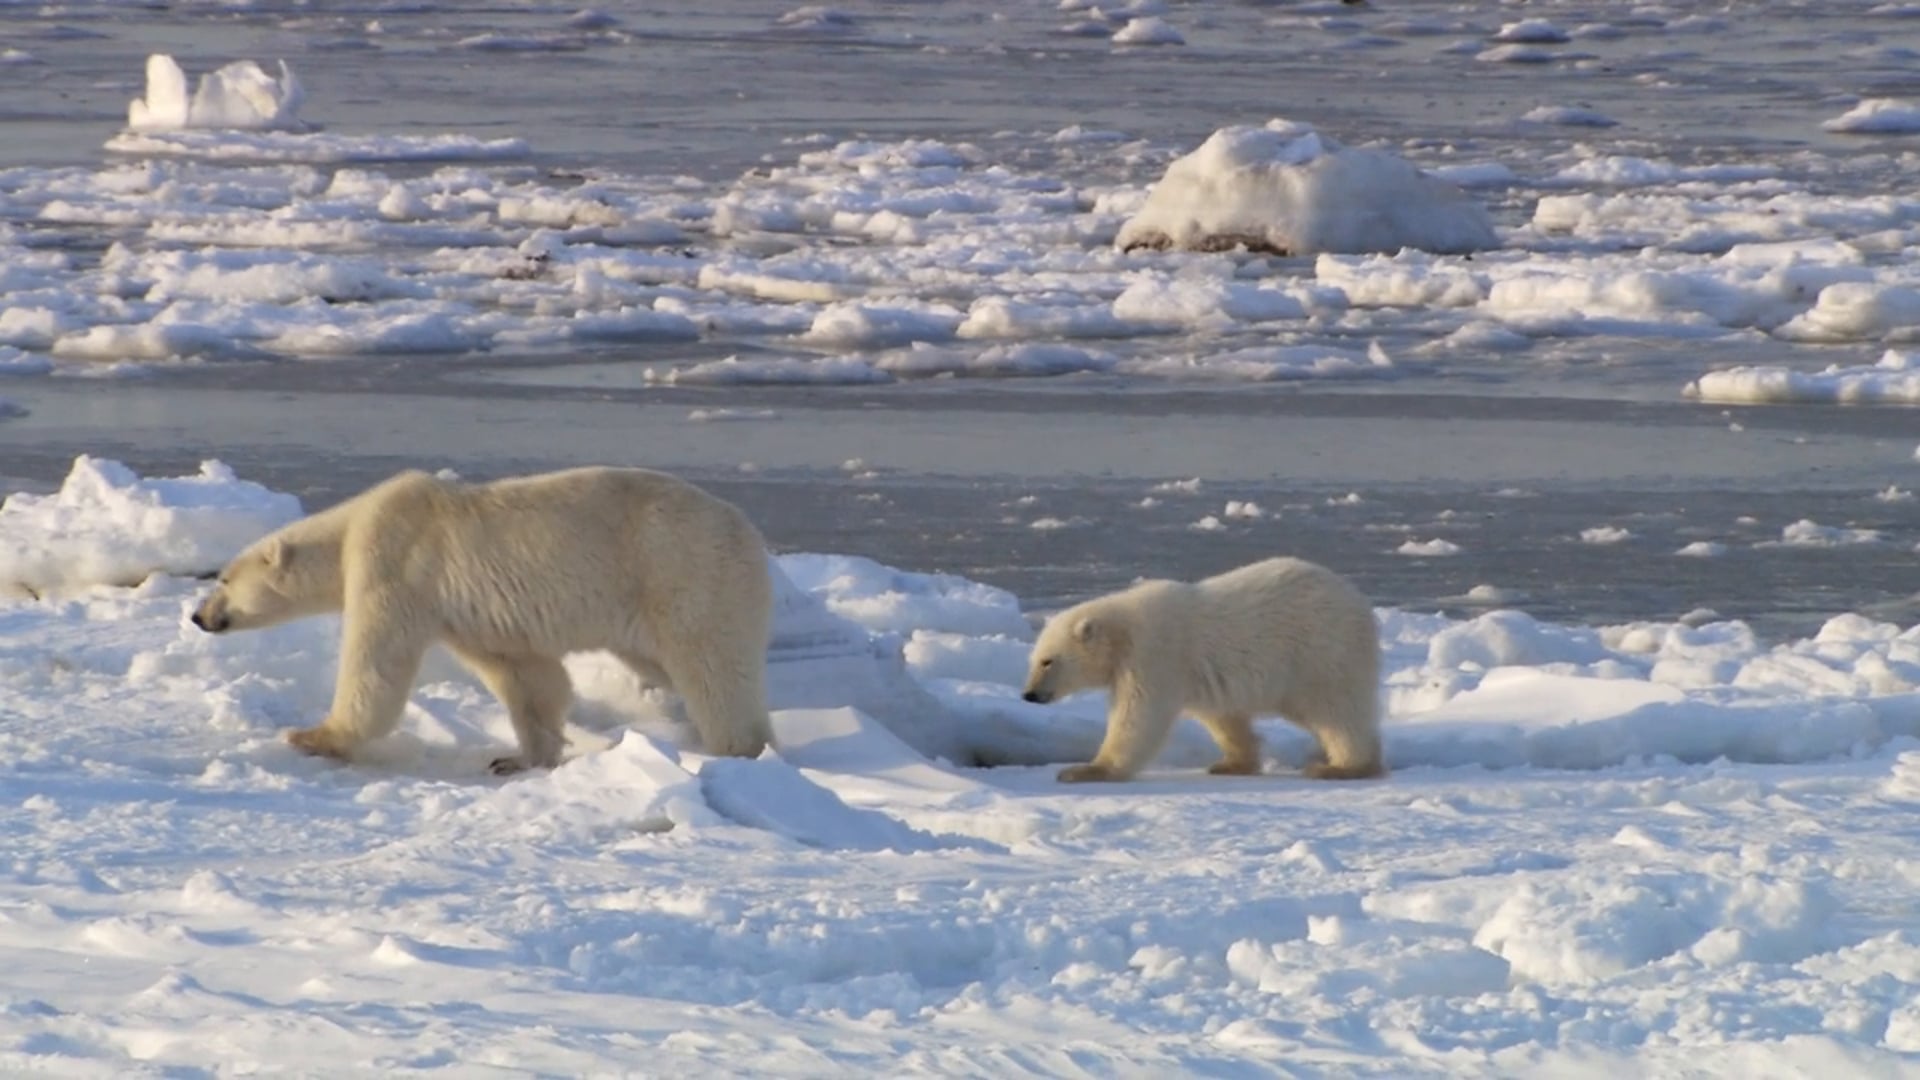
pixel 1138 722
pixel 380 657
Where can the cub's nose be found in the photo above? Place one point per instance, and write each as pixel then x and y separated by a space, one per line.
pixel 1037 697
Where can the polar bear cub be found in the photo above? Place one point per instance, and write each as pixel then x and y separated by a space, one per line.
pixel 1283 636
pixel 511 576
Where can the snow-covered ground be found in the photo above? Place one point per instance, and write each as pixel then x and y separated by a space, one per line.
pixel 1667 848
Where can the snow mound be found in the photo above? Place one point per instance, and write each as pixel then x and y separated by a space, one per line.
pixel 107 526
pixel 1286 189
pixel 239 95
pixel 635 786
pixel 1894 380
pixel 1596 927
pixel 770 794
pixel 1877 116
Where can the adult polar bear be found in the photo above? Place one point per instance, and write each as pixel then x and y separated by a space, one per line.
pixel 513 575
pixel 1281 636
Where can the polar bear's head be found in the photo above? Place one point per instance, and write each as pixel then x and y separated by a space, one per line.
pixel 1081 648
pixel 271 582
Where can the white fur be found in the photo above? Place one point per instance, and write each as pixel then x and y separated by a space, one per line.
pixel 512 576
pixel 1283 636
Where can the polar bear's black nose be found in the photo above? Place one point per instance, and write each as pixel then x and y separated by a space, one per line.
pixel 198 621
pixel 1038 697
pixel 211 626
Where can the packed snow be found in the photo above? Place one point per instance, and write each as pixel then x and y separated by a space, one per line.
pixel 1666 847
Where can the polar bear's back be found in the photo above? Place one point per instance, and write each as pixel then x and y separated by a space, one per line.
pixel 570 559
pixel 644 503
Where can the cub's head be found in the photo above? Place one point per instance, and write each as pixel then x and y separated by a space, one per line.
pixel 268 583
pixel 1081 648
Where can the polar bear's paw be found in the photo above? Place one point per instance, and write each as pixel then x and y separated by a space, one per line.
pixel 319 741
pixel 507 766
pixel 1235 768
pixel 1085 774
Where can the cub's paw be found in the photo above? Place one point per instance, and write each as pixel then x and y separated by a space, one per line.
pixel 318 741
pixel 1083 774
pixel 1235 768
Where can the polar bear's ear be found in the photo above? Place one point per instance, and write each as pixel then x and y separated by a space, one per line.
pixel 277 553
pixel 1085 629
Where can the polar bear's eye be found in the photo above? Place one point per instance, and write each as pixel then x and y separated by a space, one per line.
pixel 1047 663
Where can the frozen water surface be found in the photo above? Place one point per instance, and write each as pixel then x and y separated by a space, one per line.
pixel 1632 489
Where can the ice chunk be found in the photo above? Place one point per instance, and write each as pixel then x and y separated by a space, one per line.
pixel 239 95
pixel 108 526
pixel 1285 188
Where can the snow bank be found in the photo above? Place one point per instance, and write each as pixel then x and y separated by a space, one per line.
pixel 1894 380
pixel 107 526
pixel 1287 189
pixel 238 95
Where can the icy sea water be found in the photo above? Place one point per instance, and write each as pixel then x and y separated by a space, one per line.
pixel 1508 446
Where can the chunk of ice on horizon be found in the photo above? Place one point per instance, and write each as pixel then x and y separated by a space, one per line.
pixel 238 95
pixel 1286 188
pixel 1877 116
